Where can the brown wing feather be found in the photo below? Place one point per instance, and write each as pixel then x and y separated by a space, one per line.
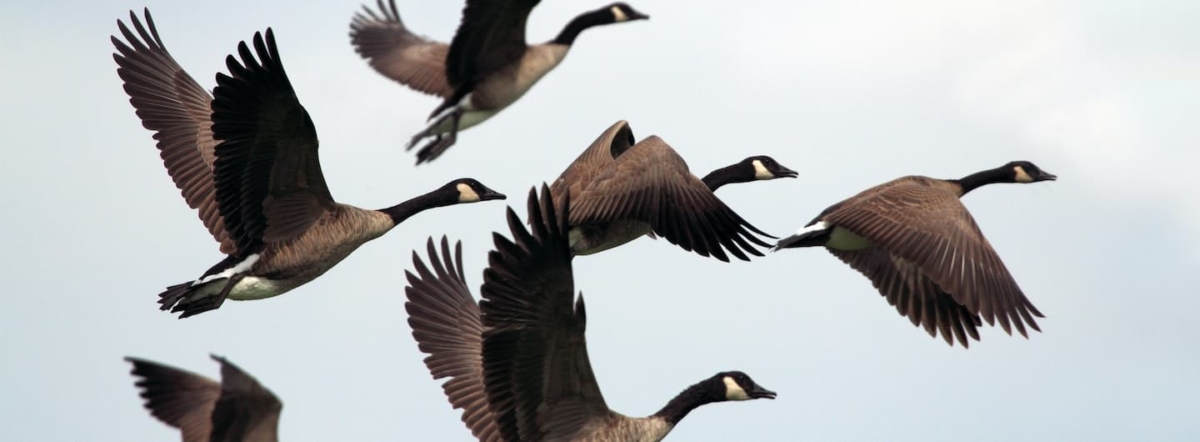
pixel 611 143
pixel 268 175
pixel 246 411
pixel 178 398
pixel 171 103
pixel 538 376
pixel 651 183
pixel 928 226
pixel 914 295
pixel 397 53
pixel 446 325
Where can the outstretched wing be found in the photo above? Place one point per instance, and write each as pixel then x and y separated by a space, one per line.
pixel 490 37
pixel 397 53
pixel 538 376
pixel 914 295
pixel 960 261
pixel 178 398
pixel 171 103
pixel 246 411
pixel 446 324
pixel 268 177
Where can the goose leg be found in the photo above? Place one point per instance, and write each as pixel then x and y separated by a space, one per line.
pixel 435 148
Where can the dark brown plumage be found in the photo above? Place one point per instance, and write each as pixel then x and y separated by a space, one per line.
pixel 921 248
pixel 623 190
pixel 531 363
pixel 238 409
pixel 253 170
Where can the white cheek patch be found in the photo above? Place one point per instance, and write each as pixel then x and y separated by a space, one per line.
pixel 618 14
pixel 733 391
pixel 761 172
pixel 1022 176
pixel 466 194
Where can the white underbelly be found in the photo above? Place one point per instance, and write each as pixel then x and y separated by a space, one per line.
pixel 253 287
pixel 842 239
pixel 469 119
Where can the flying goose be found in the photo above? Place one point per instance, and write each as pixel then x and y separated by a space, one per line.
pixel 250 166
pixel 238 409
pixel 920 247
pixel 487 66
pixel 624 189
pixel 518 362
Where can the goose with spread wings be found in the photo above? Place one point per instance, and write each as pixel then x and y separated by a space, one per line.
pixel 623 189
pixel 517 361
pixel 921 248
pixel 237 409
pixel 485 68
pixel 247 160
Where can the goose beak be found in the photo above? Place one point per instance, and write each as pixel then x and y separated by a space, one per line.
pixel 638 16
pixel 493 195
pixel 784 172
pixel 758 392
pixel 489 194
pixel 1046 176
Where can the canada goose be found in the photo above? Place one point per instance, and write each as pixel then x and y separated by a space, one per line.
pixel 624 189
pixel 518 362
pixel 920 247
pixel 251 167
pixel 238 409
pixel 487 66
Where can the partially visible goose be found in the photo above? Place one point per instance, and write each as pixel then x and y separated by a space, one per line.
pixel 487 66
pixel 518 363
pixel 624 189
pixel 238 409
pixel 920 247
pixel 250 166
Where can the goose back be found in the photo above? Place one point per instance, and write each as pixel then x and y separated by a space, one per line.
pixel 510 83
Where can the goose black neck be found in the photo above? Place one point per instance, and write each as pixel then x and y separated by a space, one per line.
pixel 726 175
pixel 700 394
pixel 582 22
pixel 407 209
pixel 982 178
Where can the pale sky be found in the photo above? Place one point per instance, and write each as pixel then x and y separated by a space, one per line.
pixel 1103 94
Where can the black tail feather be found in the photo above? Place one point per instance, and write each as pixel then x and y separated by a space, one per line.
pixel 178 298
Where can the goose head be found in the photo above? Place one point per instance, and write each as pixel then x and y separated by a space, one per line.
pixel 622 12
pixel 469 190
pixel 1027 172
pixel 737 386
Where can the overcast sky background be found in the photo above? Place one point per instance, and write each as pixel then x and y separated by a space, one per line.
pixel 1105 94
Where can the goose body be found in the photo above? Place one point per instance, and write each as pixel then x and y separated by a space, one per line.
pixel 623 190
pixel 238 409
pixel 921 248
pixel 517 362
pixel 250 167
pixel 486 67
